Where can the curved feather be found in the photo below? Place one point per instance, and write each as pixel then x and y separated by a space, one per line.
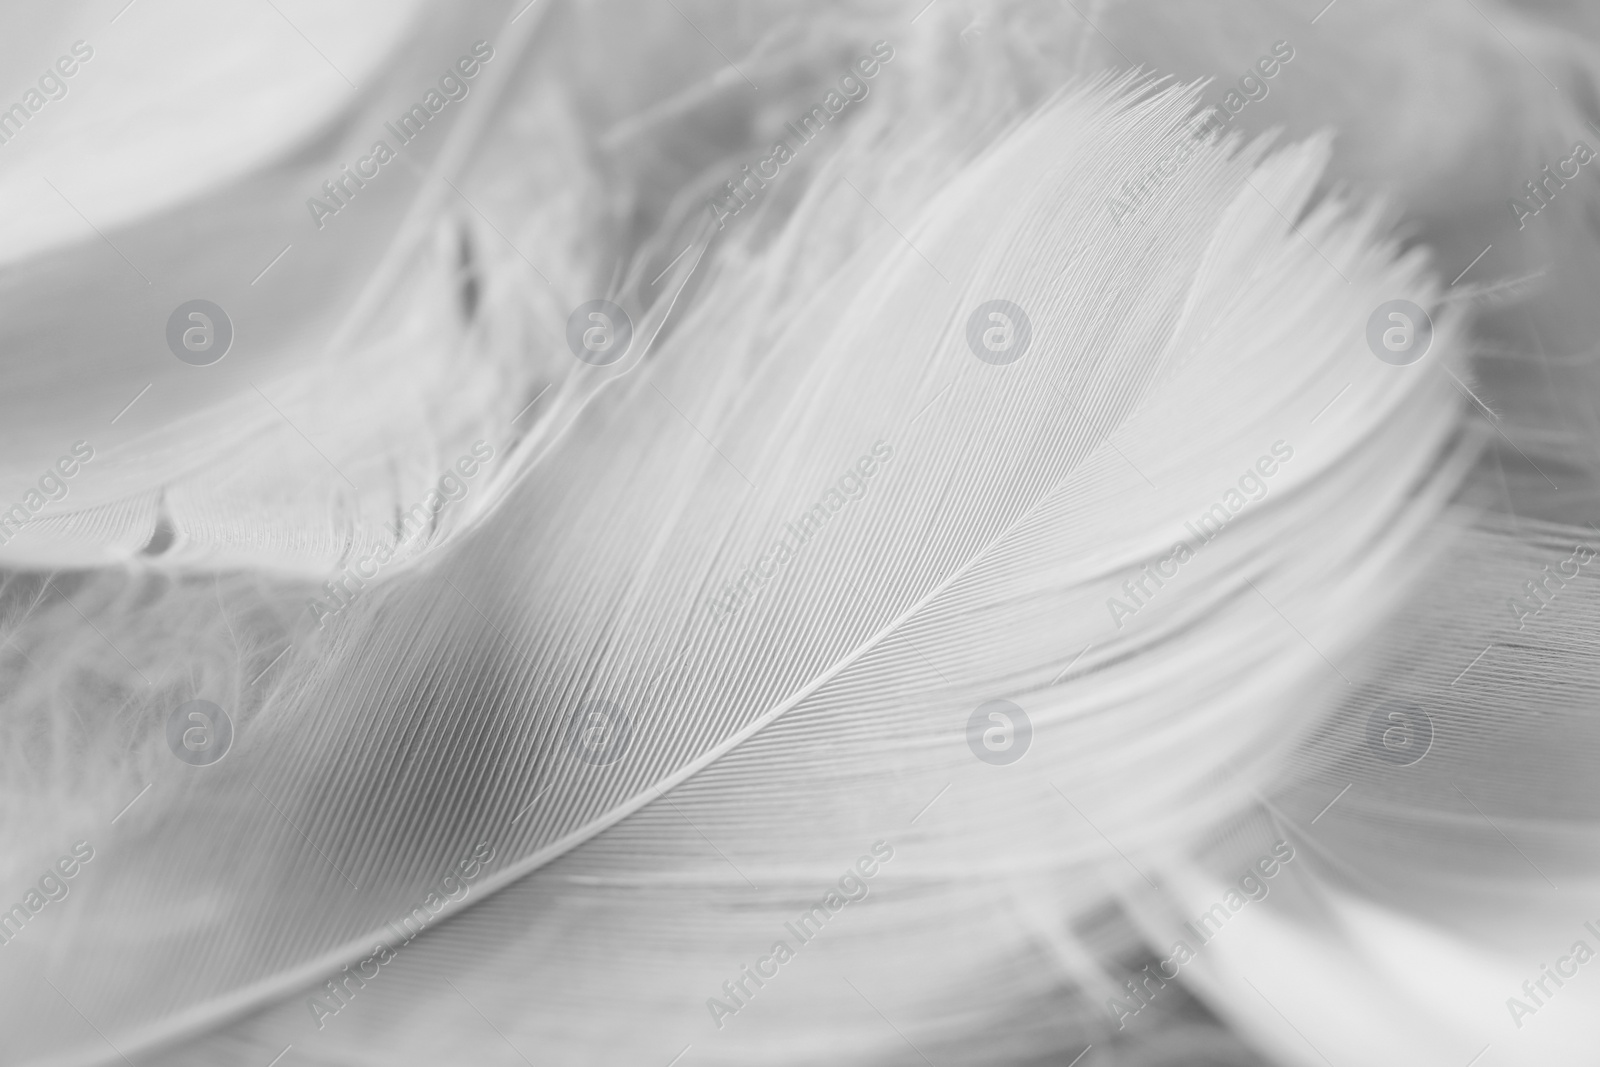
pixel 439 711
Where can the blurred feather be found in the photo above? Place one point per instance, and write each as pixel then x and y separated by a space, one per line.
pixel 1171 346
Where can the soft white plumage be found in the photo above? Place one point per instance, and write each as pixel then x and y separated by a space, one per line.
pixel 1222 319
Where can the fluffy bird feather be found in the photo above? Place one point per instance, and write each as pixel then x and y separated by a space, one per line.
pixel 1171 347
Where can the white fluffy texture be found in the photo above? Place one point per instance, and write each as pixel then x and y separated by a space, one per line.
pixel 1426 895
pixel 360 370
pixel 978 565
pixel 172 101
pixel 1168 354
pixel 1449 109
